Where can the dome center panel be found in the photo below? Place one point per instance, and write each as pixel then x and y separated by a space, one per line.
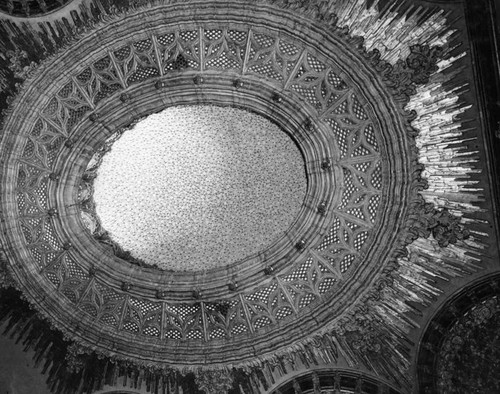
pixel 198 187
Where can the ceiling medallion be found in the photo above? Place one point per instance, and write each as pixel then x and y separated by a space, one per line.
pixel 342 106
pixel 328 245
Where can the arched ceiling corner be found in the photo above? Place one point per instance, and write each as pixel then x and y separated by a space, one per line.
pixel 458 350
pixel 35 8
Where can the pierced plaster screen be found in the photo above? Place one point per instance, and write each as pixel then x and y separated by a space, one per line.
pixel 198 187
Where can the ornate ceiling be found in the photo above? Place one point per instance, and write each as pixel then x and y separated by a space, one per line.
pixel 229 196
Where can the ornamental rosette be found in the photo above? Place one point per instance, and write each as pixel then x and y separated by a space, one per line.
pixel 214 381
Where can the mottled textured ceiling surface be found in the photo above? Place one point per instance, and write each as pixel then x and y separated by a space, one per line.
pixel 196 187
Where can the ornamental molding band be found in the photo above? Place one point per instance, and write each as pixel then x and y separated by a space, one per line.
pixel 380 206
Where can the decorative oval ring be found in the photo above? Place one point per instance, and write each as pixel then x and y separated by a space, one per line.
pixel 327 97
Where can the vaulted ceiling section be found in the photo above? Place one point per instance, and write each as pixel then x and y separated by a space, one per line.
pixel 251 196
